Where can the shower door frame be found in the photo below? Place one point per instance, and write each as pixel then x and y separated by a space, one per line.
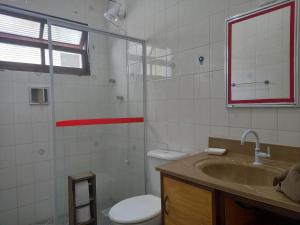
pixel 51 20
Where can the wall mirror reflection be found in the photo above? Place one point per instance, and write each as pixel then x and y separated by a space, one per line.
pixel 261 59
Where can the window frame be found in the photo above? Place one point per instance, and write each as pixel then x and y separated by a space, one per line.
pixel 43 44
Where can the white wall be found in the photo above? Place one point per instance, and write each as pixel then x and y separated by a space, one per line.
pixel 24 129
pixel 25 174
pixel 186 104
pixel 87 11
pixel 25 153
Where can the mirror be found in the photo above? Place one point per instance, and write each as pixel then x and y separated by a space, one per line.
pixel 261 62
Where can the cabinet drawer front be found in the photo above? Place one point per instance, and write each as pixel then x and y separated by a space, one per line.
pixel 186 204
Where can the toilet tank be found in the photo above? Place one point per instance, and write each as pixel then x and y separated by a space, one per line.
pixel 156 158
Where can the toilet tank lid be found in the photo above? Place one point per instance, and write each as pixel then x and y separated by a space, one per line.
pixel 166 154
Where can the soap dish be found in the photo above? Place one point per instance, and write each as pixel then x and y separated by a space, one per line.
pixel 216 151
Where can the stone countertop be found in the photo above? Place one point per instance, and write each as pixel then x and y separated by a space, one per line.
pixel 190 169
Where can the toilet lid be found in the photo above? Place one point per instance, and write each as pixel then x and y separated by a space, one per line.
pixel 136 209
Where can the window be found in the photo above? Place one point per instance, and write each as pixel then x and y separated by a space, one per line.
pixel 20 54
pixel 24 46
pixel 66 59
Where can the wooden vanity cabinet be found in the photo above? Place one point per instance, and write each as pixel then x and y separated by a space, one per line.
pixel 186 204
pixel 240 211
pixel 235 213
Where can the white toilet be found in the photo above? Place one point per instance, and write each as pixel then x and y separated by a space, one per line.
pixel 145 209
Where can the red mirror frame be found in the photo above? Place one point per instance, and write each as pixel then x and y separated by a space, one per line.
pixel 292 99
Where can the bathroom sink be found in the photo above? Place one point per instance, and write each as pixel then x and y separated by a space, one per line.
pixel 239 173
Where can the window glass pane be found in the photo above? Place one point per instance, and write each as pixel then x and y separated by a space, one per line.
pixel 18 26
pixel 64 35
pixel 20 54
pixel 64 59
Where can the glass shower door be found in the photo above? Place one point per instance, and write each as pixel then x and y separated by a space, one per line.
pixel 99 121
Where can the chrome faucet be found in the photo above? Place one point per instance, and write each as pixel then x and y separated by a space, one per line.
pixel 258 153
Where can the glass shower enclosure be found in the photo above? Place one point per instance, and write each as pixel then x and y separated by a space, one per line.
pixel 94 121
pixel 99 122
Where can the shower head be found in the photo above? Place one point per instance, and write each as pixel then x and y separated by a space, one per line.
pixel 115 13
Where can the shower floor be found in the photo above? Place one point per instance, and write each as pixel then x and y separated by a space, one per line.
pixel 102 219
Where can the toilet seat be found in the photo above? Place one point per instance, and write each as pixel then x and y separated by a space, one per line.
pixel 136 210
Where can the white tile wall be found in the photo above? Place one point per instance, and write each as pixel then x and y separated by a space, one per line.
pixel 25 174
pixel 22 113
pixel 185 104
pixel 6 135
pixel 26 215
pixel 194 94
pixel 8 178
pixel 26 195
pixel 7 157
pixel 23 133
pixel 9 217
pixel 89 11
pixel 8 199
pixel 25 153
